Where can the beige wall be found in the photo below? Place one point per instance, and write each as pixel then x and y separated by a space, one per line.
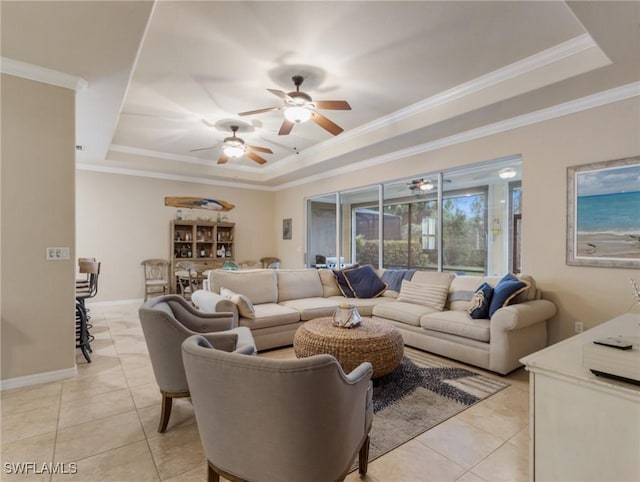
pixel 590 295
pixel 38 172
pixel 122 220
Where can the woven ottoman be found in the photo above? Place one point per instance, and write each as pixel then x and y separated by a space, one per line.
pixel 376 342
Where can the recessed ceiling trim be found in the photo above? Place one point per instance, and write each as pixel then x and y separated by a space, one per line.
pixel 534 62
pixel 41 74
pixel 578 105
pixel 584 103
pixel 522 67
pixel 174 157
pixel 171 177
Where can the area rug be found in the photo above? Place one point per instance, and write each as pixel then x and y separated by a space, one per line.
pixel 420 394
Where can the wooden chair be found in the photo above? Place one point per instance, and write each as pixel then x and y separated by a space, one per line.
pixel 270 262
pixel 186 279
pixel 156 277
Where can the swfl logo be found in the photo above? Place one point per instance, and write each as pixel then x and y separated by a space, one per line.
pixel 36 468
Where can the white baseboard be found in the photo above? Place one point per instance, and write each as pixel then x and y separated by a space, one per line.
pixel 134 301
pixel 38 378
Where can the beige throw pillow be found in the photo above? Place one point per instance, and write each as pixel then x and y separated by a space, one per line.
pixel 433 296
pixel 245 307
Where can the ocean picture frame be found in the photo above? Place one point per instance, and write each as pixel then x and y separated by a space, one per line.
pixel 603 214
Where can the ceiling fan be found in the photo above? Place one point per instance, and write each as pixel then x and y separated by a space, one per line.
pixel 422 186
pixel 419 186
pixel 299 107
pixel 234 147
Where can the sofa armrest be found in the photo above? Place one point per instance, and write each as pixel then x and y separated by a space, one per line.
pixel 521 315
pixel 209 302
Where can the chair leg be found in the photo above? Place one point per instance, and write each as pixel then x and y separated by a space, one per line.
pixel 212 475
pixel 363 457
pixel 167 402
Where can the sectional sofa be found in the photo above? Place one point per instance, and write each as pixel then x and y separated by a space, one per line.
pixel 430 309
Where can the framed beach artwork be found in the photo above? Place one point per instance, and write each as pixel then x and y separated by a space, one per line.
pixel 603 214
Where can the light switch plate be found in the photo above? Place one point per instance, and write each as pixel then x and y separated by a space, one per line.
pixel 57 254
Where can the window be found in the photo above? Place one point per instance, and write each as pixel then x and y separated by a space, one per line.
pixel 464 220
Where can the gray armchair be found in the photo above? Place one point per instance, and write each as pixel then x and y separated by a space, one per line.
pixel 169 320
pixel 293 419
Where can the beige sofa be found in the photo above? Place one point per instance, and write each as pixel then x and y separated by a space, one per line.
pixel 274 303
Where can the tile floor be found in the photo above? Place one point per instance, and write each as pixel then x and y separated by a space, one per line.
pixel 105 421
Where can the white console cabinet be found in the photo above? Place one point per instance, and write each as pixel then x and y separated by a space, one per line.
pixel 583 427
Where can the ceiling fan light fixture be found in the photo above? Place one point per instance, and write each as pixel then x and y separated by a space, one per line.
pixel 507 173
pixel 297 114
pixel 233 151
pixel 426 186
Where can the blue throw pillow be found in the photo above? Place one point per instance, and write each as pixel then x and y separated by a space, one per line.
pixel 507 289
pixel 342 284
pixel 480 302
pixel 364 282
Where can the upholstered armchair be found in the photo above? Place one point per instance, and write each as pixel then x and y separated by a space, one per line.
pixel 293 419
pixel 169 320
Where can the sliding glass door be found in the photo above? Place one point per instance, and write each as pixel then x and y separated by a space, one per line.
pixel 464 220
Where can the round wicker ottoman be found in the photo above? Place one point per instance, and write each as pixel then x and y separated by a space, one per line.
pixel 373 341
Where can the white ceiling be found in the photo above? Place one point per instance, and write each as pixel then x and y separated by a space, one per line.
pixel 166 78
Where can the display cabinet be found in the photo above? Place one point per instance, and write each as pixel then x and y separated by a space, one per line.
pixel 202 245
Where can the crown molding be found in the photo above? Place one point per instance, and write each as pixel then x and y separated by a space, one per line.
pixel 85 166
pixel 41 74
pixel 571 107
pixel 534 62
pixel 172 157
pixel 522 67
pixel 577 105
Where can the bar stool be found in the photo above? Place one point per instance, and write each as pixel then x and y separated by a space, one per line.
pixel 85 290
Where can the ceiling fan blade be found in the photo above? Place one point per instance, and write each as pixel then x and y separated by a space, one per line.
pixel 326 124
pixel 286 127
pixel 203 148
pixel 255 157
pixel 332 104
pixel 260 111
pixel 223 159
pixel 283 95
pixel 261 149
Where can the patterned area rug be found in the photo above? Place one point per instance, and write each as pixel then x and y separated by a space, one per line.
pixel 420 394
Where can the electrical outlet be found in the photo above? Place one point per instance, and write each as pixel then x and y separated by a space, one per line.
pixel 578 326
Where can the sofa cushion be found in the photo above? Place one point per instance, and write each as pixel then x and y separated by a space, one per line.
pixel 433 278
pixel 270 314
pixel 329 283
pixel 364 305
pixel 259 285
pixel 480 302
pixel 457 323
pixel 294 284
pixel 310 308
pixel 432 295
pixel 409 313
pixel 505 291
pixel 364 282
pixel 245 307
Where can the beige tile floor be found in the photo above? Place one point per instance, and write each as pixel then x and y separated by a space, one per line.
pixel 105 419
